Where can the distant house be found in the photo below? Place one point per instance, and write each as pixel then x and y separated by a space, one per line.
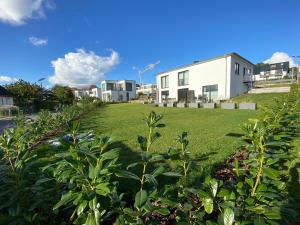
pixel 147 89
pixel 118 90
pixel 92 91
pixel 264 71
pixel 6 98
pixel 218 78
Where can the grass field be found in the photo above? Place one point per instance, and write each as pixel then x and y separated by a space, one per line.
pixel 213 134
pixel 262 100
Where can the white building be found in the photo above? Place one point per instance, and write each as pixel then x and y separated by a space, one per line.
pixel 146 89
pixel 264 71
pixel 92 91
pixel 118 90
pixel 210 80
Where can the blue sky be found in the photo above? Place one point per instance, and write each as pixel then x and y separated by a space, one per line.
pixel 135 33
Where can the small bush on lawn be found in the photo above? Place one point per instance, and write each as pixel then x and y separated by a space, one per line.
pixel 77 179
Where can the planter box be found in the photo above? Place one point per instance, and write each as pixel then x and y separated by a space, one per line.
pixel 181 105
pixel 209 105
pixel 171 104
pixel 194 105
pixel 228 105
pixel 145 102
pixel 162 104
pixel 246 105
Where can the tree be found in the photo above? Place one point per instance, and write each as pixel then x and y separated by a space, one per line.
pixel 63 95
pixel 30 96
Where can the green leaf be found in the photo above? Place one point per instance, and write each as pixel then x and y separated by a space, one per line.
pixel 228 216
pixel 127 174
pixel 65 199
pixel 271 173
pixel 141 198
pixel 112 154
pixel 172 174
pixel 163 211
pixel 81 207
pixel 151 179
pixel 213 184
pixel 208 205
pixel 102 189
pixel 158 171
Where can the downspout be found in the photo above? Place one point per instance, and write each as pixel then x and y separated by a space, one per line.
pixel 226 77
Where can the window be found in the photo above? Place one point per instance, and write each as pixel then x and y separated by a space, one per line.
pixel 249 71
pixel 128 86
pixel 165 82
pixel 103 87
pixel 237 68
pixel 210 92
pixel 244 71
pixel 183 78
pixel 110 86
pixel 164 95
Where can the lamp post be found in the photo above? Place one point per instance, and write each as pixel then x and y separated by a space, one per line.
pixel 297 75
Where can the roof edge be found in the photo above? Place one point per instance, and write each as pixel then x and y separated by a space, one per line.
pixel 207 60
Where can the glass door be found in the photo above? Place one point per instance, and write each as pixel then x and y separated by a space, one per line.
pixel 210 92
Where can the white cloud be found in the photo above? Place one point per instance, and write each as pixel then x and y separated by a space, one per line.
pixel 81 68
pixel 38 41
pixel 7 79
pixel 16 12
pixel 278 57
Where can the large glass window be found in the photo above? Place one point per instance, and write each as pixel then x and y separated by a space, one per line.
pixel 237 68
pixel 110 86
pixel 210 92
pixel 183 78
pixel 165 82
pixel 128 86
pixel 164 95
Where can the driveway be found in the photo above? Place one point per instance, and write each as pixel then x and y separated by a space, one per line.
pixel 270 90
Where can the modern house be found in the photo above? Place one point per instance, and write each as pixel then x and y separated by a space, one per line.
pixel 92 91
pixel 218 78
pixel 118 90
pixel 6 98
pixel 147 90
pixel 264 71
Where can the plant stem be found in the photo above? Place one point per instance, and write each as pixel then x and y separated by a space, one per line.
pixel 260 168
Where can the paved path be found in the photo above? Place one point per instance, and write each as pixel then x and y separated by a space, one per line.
pixel 5 123
pixel 270 90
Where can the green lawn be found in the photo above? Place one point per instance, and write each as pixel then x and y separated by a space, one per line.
pixel 265 99
pixel 211 131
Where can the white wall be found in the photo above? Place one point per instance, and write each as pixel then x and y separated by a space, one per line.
pixel 218 71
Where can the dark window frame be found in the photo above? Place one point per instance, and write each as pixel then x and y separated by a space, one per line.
pixel 182 82
pixel 237 68
pixel 163 81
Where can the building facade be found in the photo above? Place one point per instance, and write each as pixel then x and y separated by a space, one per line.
pixel 211 80
pixel 264 71
pixel 92 91
pixel 118 90
pixel 6 98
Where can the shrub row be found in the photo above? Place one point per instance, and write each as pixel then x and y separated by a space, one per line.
pixel 78 180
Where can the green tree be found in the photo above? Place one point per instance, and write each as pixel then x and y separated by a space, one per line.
pixel 63 95
pixel 29 96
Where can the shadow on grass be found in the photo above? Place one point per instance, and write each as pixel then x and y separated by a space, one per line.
pixel 237 135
